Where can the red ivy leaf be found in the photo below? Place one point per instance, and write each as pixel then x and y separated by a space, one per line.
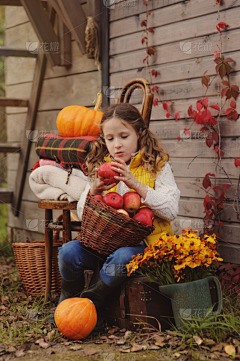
pixel 143 23
pixel 222 25
pixel 218 29
pixel 226 186
pixel 205 80
pixel 220 223
pixel 206 181
pixel 145 2
pixel 154 73
pixel 217 189
pixel 237 162
pixel 233 104
pixel 178 138
pixel 155 88
pixel 205 102
pixel 234 91
pixel 216 107
pixel 150 50
pixel 199 106
pixel 150 30
pixel 225 83
pixel 165 106
pixel 221 198
pixel 143 39
pixel 145 59
pixel 149 13
pixel 204 130
pixel 229 60
pixel 177 116
pixel 155 102
pixel 168 114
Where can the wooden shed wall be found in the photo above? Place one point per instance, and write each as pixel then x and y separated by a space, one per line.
pixel 78 84
pixel 176 22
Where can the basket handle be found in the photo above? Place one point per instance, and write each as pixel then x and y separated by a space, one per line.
pixel 147 96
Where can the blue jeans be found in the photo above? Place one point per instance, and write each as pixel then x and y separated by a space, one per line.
pixel 74 257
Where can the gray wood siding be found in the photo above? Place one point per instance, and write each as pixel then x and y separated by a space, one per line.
pixel 176 22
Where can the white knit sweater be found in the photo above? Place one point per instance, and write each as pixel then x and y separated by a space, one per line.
pixel 163 199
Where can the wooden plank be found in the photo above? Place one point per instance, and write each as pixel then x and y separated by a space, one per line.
pixel 199 48
pixel 6 195
pixel 76 19
pixel 194 208
pixel 13 102
pixel 30 123
pixel 65 44
pixel 176 71
pixel 198 148
pixel 28 194
pixel 166 129
pixel 182 105
pixel 57 93
pixel 124 9
pixel 230 232
pixel 188 168
pixel 43 28
pixel 10 147
pixel 202 26
pixel 6 51
pixel 229 253
pixel 178 13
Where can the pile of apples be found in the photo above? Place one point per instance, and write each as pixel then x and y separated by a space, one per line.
pixel 128 205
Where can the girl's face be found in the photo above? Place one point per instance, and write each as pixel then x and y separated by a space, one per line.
pixel 121 138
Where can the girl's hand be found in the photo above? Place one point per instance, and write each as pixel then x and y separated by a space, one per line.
pixel 125 174
pixel 128 178
pixel 98 186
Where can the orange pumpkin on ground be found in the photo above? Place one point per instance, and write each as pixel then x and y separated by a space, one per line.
pixel 76 317
pixel 78 121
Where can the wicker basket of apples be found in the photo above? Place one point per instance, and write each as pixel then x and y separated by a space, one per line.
pixel 110 222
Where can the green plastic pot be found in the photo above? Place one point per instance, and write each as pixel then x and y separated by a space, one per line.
pixel 192 300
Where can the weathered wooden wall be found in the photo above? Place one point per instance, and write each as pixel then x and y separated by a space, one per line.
pixel 77 84
pixel 191 26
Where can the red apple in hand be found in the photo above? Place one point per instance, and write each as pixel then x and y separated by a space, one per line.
pixel 132 201
pixel 113 200
pixel 98 196
pixel 147 210
pixel 123 212
pixel 106 174
pixel 144 218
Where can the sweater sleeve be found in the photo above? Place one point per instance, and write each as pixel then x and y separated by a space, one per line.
pixel 82 200
pixel 164 199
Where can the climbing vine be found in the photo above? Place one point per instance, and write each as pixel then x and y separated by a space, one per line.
pixel 200 113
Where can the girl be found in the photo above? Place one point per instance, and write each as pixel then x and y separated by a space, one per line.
pixel 143 167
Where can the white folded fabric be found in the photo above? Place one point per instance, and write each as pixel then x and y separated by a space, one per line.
pixel 49 182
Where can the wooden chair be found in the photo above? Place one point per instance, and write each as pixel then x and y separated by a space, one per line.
pixel 67 226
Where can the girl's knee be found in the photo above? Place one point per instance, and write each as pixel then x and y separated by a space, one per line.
pixel 67 252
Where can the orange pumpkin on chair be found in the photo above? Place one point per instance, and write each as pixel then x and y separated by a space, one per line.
pixel 76 317
pixel 78 121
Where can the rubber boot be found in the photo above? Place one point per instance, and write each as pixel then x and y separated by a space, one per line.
pixel 69 289
pixel 98 293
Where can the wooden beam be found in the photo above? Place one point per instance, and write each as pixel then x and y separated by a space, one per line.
pixel 65 46
pixel 6 195
pixel 55 5
pixel 76 20
pixel 12 102
pixel 10 147
pixel 23 53
pixel 105 53
pixel 30 124
pixel 44 30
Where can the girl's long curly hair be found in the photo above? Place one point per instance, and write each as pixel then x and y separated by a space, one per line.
pixel 151 152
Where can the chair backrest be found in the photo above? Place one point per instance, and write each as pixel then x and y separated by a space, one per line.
pixel 147 101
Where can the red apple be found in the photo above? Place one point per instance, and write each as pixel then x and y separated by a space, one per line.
pixel 98 196
pixel 147 211
pixel 123 212
pixel 113 200
pixel 144 218
pixel 132 201
pixel 106 174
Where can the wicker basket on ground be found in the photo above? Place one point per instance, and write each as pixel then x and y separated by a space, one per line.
pixel 30 259
pixel 105 230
